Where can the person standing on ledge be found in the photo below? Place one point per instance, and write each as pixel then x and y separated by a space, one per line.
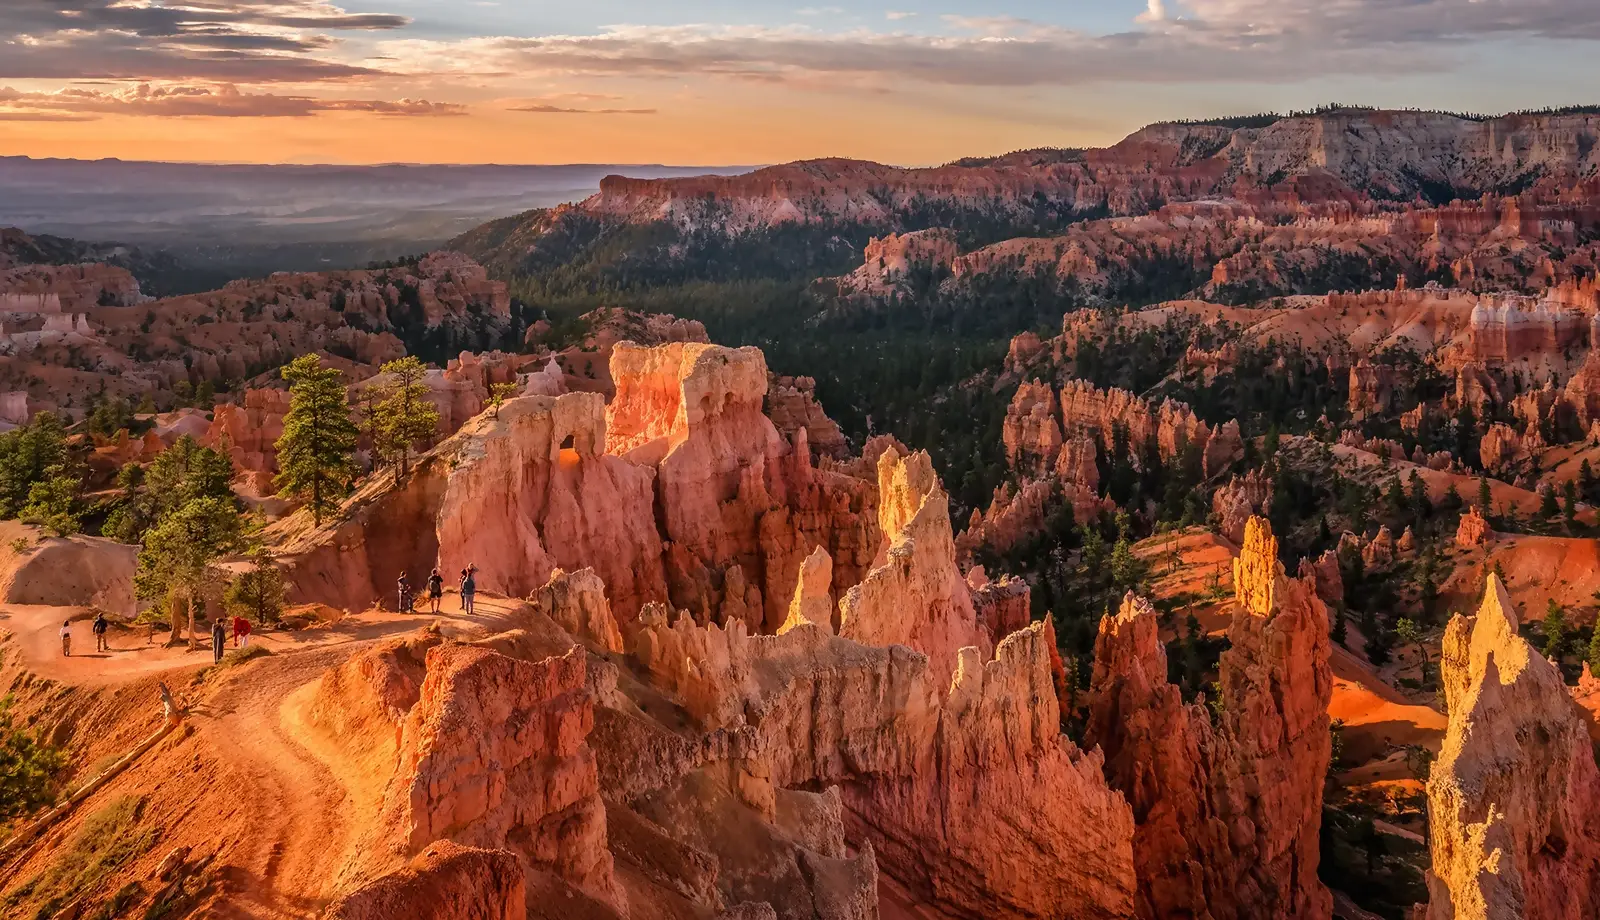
pixel 219 640
pixel 469 587
pixel 435 590
pixel 66 639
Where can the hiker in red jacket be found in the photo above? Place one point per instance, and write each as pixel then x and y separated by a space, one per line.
pixel 241 632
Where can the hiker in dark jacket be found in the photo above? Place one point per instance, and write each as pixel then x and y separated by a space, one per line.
pixel 219 640
pixel 469 587
pixel 100 627
pixel 435 590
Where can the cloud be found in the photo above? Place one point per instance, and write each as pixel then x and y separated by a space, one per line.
pixel 1178 41
pixel 257 41
pixel 898 15
pixel 180 101
pixel 544 109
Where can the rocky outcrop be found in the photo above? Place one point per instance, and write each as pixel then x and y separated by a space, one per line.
pixel 1002 606
pixel 916 597
pixel 811 604
pixel 1513 825
pixel 1242 498
pixel 1380 551
pixel 889 261
pixel 740 508
pixel 530 787
pixel 965 788
pixel 1473 531
pixel 1371 388
pixel 792 405
pixel 55 289
pixel 1020 823
pixel 1501 447
pixel 453 882
pixel 556 502
pixel 577 603
pixel 250 432
pixel 1325 577
pixel 1032 435
pixel 1228 813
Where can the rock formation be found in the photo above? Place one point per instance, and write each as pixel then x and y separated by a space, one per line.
pixel 1228 814
pixel 811 604
pixel 1473 531
pixel 577 603
pixel 1032 435
pixel 792 405
pixel 1371 388
pixel 554 506
pixel 916 597
pixel 1514 830
pixel 453 881
pixel 530 787
pixel 1002 606
pixel 1242 498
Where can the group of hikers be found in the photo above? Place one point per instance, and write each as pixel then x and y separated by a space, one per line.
pixel 101 624
pixel 219 635
pixel 468 588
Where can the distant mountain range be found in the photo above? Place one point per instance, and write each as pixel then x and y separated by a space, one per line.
pixel 227 220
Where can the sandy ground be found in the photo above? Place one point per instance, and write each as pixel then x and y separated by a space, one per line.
pixel 262 791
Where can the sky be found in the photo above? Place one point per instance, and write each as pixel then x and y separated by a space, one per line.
pixel 721 82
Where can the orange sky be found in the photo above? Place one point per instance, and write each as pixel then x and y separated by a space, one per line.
pixel 711 82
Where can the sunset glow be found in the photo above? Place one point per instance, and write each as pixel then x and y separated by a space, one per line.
pixel 623 81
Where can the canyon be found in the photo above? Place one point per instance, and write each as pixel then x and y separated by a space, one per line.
pixel 1130 588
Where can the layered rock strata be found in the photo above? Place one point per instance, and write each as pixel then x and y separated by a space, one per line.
pixel 1227 812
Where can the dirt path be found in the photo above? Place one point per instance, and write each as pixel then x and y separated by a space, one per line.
pixel 137 652
pixel 302 820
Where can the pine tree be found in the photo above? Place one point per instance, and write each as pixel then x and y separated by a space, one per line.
pixel 316 450
pixel 1485 497
pixel 1548 508
pixel 175 563
pixel 1555 631
pixel 257 593
pixel 1569 503
pixel 405 416
pixel 1594 652
pixel 52 502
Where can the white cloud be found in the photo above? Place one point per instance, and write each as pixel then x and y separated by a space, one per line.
pixel 1155 12
pixel 897 15
pixel 185 100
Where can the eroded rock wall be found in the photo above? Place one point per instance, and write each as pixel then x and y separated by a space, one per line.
pixel 1227 813
pixel 1512 798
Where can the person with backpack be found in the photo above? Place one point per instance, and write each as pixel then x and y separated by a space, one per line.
pixel 100 627
pixel 469 588
pixel 435 590
pixel 66 639
pixel 219 640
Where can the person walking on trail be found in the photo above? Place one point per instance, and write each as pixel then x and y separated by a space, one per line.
pixel 469 587
pixel 435 590
pixel 219 640
pixel 66 639
pixel 241 632
pixel 100 627
pixel 402 587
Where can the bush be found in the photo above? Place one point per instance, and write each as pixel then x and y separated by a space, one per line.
pixel 27 768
